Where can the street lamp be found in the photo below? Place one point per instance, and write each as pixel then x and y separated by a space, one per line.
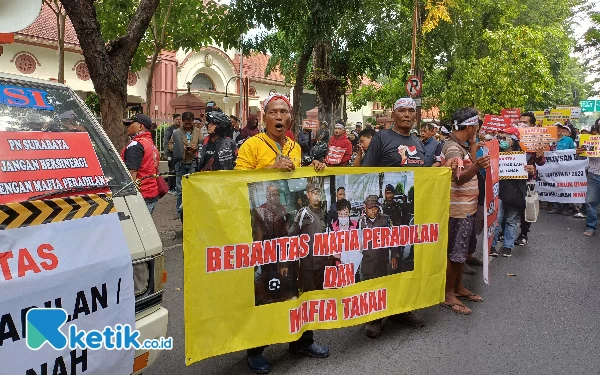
pixel 226 98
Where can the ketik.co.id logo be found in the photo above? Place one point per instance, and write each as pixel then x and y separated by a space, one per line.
pixel 43 325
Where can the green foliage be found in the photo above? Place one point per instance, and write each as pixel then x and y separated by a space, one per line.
pixel 93 103
pixel 493 55
pixel 592 45
pixel 399 188
pixel 191 24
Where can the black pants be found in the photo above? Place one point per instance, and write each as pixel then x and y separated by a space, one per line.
pixel 304 341
pixel 525 225
pixel 171 178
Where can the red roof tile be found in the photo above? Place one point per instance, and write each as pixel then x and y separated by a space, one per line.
pixel 255 65
pixel 44 27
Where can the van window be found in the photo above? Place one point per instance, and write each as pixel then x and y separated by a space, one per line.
pixel 69 115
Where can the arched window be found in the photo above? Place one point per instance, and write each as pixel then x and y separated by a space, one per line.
pixel 203 82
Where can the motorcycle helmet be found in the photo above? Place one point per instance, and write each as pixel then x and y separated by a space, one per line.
pixel 224 127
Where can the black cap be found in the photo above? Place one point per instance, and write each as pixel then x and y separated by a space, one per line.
pixel 141 118
pixel 389 187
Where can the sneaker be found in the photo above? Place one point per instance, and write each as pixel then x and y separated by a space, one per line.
pixel 258 364
pixel 521 240
pixel 493 252
pixel 506 252
pixel 579 215
pixel 553 211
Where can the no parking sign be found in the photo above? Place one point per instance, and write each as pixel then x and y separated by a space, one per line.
pixel 413 86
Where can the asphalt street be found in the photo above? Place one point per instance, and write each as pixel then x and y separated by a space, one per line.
pixel 544 320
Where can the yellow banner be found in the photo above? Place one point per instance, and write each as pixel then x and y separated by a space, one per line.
pixel 539 117
pixel 591 143
pixel 263 263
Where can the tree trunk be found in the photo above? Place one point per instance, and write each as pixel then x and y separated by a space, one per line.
pixel 150 78
pixel 326 85
pixel 108 63
pixel 299 89
pixel 111 109
pixel 61 47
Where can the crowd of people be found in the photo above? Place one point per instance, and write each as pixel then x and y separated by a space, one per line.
pixel 456 144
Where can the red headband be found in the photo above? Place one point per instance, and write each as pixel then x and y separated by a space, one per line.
pixel 275 97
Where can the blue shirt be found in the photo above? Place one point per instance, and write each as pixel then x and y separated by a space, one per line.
pixel 565 143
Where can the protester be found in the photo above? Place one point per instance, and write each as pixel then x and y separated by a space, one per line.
pixel 250 130
pixel 184 144
pixel 395 147
pixel 218 151
pixel 274 150
pixel 332 214
pixel 444 133
pixel 565 142
pixel 169 154
pixel 431 146
pixel 592 198
pixel 198 124
pixel 528 119
pixel 512 196
pixel 323 135
pixel 354 134
pixel 364 139
pixel 340 148
pixel 141 158
pixel 305 141
pixel 237 131
pixel 464 194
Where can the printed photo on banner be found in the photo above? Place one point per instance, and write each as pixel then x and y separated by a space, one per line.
pixel 591 144
pixel 562 178
pixel 512 165
pixel 290 252
pixel 533 138
pixel 330 213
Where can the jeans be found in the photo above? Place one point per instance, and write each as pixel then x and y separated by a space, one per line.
pixel 171 179
pixel 181 170
pixel 592 200
pixel 151 204
pixel 511 216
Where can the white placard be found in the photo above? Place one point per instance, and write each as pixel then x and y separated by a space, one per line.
pixel 83 266
pixel 512 165
pixel 562 177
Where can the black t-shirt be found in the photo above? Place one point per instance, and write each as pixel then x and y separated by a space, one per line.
pixel 386 146
pixel 134 154
pixel 211 157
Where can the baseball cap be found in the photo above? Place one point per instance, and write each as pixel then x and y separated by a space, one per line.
pixel 372 201
pixel 141 118
pixel 389 187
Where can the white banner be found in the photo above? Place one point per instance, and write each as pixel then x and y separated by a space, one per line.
pixel 82 266
pixel 562 177
pixel 512 165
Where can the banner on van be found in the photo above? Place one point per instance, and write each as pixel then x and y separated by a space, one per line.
pixel 82 266
pixel 38 163
pixel 269 255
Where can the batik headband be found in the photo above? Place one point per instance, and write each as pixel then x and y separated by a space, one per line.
pixel 405 103
pixel 468 122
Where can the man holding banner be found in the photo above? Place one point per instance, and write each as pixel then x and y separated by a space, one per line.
pixel 463 204
pixel 274 150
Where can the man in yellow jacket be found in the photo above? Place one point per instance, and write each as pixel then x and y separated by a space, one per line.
pixel 274 150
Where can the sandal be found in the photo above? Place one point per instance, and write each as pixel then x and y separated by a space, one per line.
pixel 588 232
pixel 458 308
pixel 470 297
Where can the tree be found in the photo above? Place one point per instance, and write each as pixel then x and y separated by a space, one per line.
pixel 108 62
pixel 61 16
pixel 592 45
pixel 185 24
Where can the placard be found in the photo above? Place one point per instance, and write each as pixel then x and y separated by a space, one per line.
pixel 534 137
pixel 514 114
pixel 591 143
pixel 492 192
pixel 512 166
pixel 37 163
pixel 493 123
pixel 310 124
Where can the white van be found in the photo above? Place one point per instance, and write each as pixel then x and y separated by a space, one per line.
pixel 142 237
